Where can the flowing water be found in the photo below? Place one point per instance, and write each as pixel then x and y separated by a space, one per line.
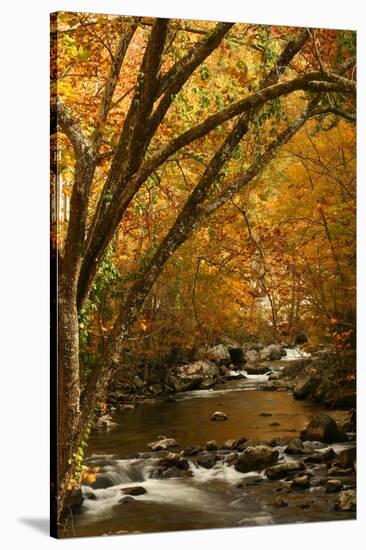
pixel 217 497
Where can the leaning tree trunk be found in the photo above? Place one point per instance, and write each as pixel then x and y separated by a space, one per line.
pixel 68 381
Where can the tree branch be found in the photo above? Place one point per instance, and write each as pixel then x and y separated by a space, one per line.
pixel 118 58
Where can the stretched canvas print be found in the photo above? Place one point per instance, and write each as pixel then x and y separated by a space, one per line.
pixel 203 186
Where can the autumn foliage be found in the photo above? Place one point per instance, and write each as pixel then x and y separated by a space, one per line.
pixel 194 206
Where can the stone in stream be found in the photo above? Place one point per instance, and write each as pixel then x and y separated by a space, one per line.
pixel 211 445
pixel 173 460
pixel 162 443
pixel 265 414
pixel 335 471
pixel 294 447
pixel 325 455
pixel 279 502
pixel 200 374
pixel 236 353
pixel 231 458
pixel 105 421
pixel 323 428
pixel 256 458
pixel 346 501
pixel 134 491
pixel 207 461
pixel 219 355
pixel 218 415
pixel 301 482
pixel 306 386
pixel 169 473
pixel 192 450
pixel 256 369
pixel 333 485
pixel 279 471
pixel 231 444
pixel 346 458
pixel 273 352
pixel 251 355
pixel 126 500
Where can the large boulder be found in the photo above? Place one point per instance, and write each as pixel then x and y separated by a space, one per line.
pixel 251 355
pixel 306 386
pixel 323 428
pixel 200 374
pixel 236 353
pixel 219 355
pixel 279 471
pixel 272 352
pixel 256 458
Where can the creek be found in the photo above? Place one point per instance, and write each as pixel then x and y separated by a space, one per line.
pixel 217 497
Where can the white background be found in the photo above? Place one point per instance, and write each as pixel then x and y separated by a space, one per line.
pixel 24 351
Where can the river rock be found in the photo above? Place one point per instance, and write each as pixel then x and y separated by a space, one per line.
pixel 162 444
pixel 279 471
pixel 231 444
pixel 192 450
pixel 251 355
pixel 301 482
pixel 336 471
pixel 127 500
pixel 173 460
pixel 346 458
pixel 211 445
pixel 219 355
pixel 279 502
pixel 306 386
pixel 134 491
pixel 323 428
pixel 256 458
pixel 138 383
pixel 200 374
pixel 155 389
pixel 105 421
pixel 218 415
pixel 346 501
pixel 207 461
pixel 295 447
pixel 236 353
pixel 256 369
pixel 325 455
pixel 169 473
pixel 273 352
pixel 333 485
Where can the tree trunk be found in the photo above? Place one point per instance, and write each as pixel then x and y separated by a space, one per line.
pixel 68 381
